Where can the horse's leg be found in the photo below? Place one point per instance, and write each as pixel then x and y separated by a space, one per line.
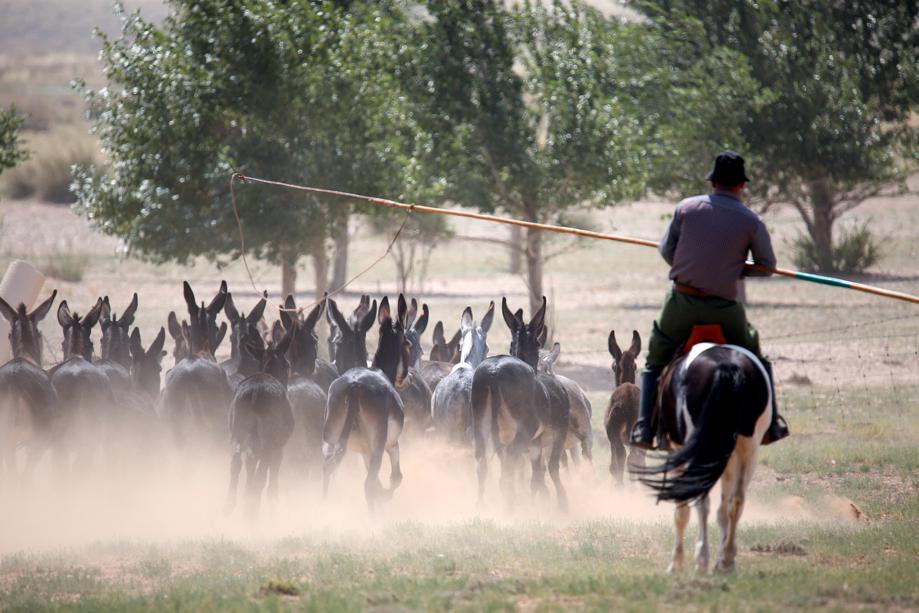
pixel 236 464
pixel 395 474
pixel 734 483
pixel 680 520
pixel 702 507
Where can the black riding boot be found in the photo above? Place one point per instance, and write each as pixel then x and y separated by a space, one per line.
pixel 643 431
pixel 778 429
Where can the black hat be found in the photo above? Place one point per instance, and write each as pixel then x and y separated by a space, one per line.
pixel 729 169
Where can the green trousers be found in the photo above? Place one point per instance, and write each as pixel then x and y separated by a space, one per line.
pixel 681 312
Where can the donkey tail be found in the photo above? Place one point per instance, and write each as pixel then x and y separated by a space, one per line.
pixel 700 462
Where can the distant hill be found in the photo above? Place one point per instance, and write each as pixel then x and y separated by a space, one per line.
pixel 39 27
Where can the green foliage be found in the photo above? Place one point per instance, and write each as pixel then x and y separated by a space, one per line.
pixel 853 252
pixel 48 175
pixel 296 91
pixel 836 83
pixel 11 151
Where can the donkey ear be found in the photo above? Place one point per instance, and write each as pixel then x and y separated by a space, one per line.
pixel 156 348
pixel 137 350
pixel 411 314
pixel 221 332
pixel 41 311
pixel 384 312
pixel 509 318
pixel 635 349
pixel 217 303
pixel 277 332
pixel 335 317
pixel 283 344
pixel 489 317
pixel 257 311
pixel 63 314
pixel 422 324
pixel 543 336
pixel 370 317
pixel 537 322
pixel 175 330
pixel 613 346
pixel 127 318
pixel 455 341
pixel 466 321
pixel 290 304
pixel 553 355
pixel 8 312
pixel 402 310
pixel 189 299
pixel 92 317
pixel 229 308
pixel 105 314
pixel 310 322
pixel 438 335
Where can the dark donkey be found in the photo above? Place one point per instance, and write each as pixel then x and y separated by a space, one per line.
pixel 580 429
pixel 622 410
pixel 514 410
pixel 28 404
pixel 415 392
pixel 443 357
pixel 115 360
pixel 307 397
pixel 261 422
pixel 83 389
pixel 241 328
pixel 197 392
pixel 364 411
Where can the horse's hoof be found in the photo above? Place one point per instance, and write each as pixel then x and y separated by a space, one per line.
pixel 674 568
pixel 724 568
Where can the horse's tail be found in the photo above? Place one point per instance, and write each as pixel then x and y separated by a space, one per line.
pixel 700 462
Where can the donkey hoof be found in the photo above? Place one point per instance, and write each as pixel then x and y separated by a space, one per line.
pixel 724 567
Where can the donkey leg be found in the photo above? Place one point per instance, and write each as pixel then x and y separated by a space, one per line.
pixel 680 521
pixel 617 459
pixel 557 450
pixel 236 464
pixel 372 485
pixel 395 474
pixel 274 469
pixel 538 472
pixel 257 487
pixel 702 508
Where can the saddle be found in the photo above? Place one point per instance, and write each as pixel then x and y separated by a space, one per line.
pixel 708 333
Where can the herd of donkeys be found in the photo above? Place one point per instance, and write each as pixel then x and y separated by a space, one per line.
pixel 276 398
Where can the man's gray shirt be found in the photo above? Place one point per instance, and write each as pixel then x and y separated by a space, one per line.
pixel 707 242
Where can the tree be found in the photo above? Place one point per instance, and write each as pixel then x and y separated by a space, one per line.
pixel 11 151
pixel 838 80
pixel 522 122
pixel 299 91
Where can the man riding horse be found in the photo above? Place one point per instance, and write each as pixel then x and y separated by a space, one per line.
pixel 706 245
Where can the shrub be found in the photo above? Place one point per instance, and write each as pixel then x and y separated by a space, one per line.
pixel 64 266
pixel 854 251
pixel 47 175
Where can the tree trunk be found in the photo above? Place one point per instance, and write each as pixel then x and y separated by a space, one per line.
pixel 822 232
pixel 340 255
pixel 534 268
pixel 288 271
pixel 514 250
pixel 320 269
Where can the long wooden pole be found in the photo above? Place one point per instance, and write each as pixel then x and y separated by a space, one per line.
pixel 803 276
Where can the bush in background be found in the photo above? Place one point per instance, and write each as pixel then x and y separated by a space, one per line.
pixel 68 267
pixel 854 252
pixel 48 174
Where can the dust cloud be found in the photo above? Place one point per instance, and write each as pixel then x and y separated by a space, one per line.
pixel 174 496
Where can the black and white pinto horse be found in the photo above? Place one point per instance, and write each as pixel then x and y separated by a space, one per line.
pixel 715 405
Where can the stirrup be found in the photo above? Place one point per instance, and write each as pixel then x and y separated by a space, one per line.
pixel 778 430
